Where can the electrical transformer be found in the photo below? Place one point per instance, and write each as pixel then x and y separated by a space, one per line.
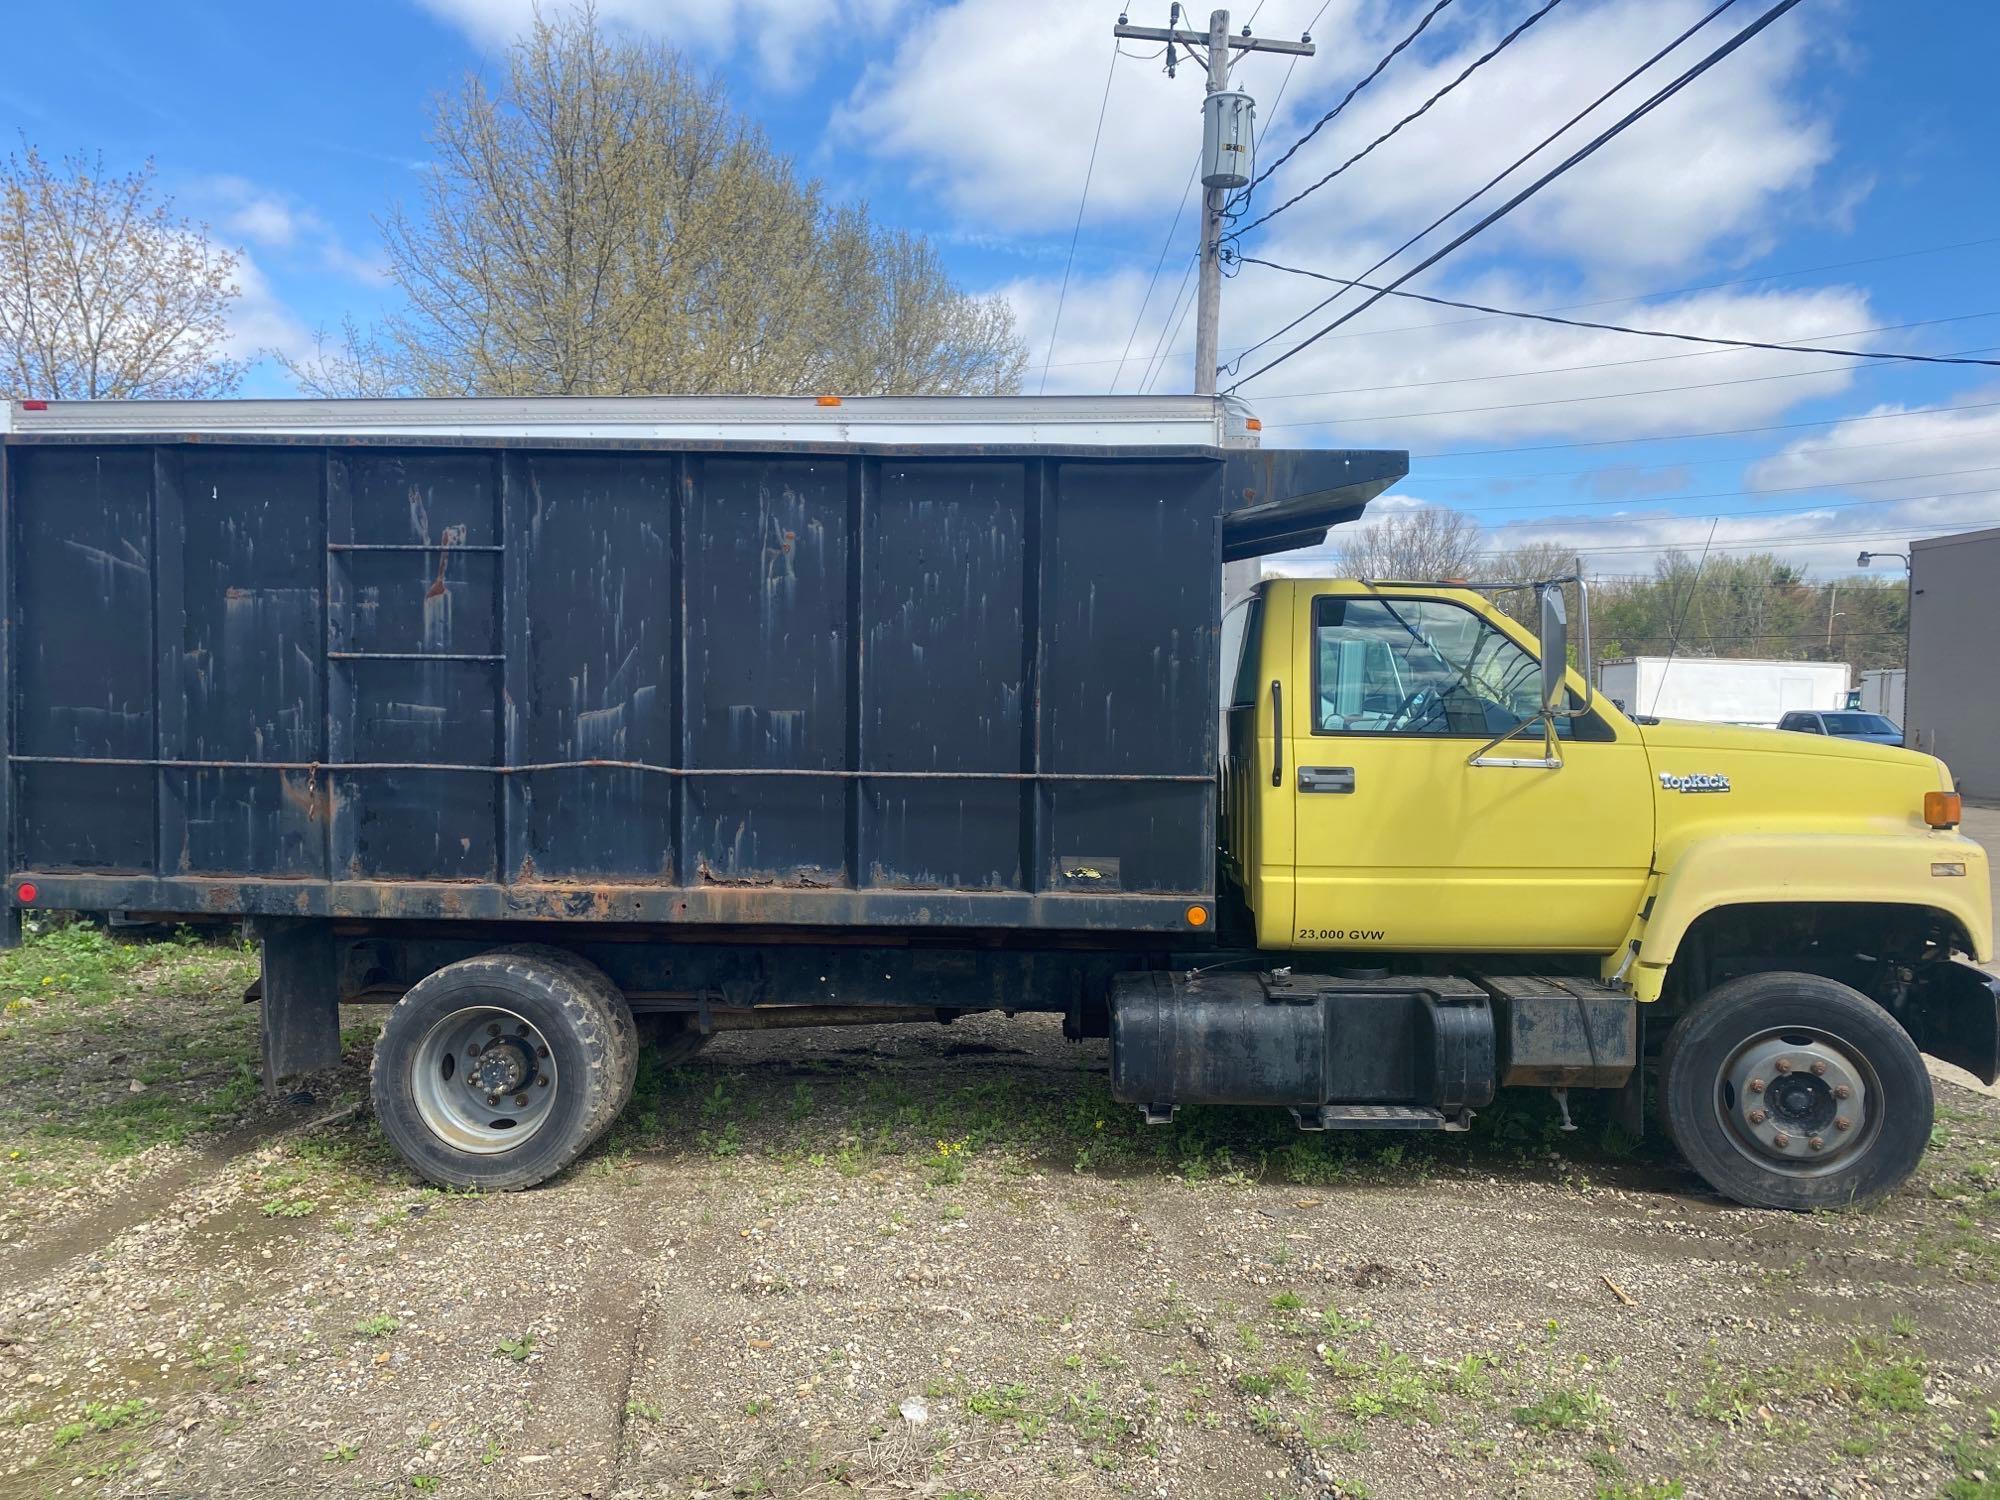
pixel 1227 118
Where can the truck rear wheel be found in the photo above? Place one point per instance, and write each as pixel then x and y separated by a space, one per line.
pixel 1795 1091
pixel 498 1071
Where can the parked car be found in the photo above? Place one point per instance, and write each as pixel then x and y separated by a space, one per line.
pixel 1875 729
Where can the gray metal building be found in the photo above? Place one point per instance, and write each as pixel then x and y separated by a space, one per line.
pixel 1953 694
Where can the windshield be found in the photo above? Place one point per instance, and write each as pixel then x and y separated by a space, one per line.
pixel 1861 724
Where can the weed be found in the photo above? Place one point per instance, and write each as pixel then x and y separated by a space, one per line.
pixel 342 1453
pixel 947 1167
pixel 97 1416
pixel 1287 1302
pixel 516 1349
pixel 1643 1489
pixel 1563 1409
pixel 426 1484
pixel 644 1410
pixel 378 1327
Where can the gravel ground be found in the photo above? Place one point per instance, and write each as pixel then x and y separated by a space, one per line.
pixel 934 1261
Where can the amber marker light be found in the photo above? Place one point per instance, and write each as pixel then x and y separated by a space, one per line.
pixel 1943 809
pixel 1197 916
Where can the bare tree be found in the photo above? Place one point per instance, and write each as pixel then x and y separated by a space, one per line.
pixel 104 292
pixel 604 222
pixel 1430 542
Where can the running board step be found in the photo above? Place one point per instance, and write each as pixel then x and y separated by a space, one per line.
pixel 1379 1117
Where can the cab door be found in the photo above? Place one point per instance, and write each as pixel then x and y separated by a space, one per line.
pixel 1400 843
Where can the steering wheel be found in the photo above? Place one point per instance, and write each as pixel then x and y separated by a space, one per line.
pixel 1407 713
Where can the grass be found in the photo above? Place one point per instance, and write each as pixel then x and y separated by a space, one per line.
pixel 98 1417
pixel 119 1044
pixel 378 1327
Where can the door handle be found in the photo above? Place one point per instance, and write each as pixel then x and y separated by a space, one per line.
pixel 1326 778
pixel 1277 735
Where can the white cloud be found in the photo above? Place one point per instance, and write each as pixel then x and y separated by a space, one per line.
pixel 278 222
pixel 1410 376
pixel 991 104
pixel 260 323
pixel 1862 454
pixel 786 36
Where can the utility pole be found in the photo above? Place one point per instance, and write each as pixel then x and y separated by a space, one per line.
pixel 1218 44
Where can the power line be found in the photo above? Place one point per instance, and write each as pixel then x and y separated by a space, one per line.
pixel 1630 118
pixel 1777 489
pixel 1186 308
pixel 1647 333
pixel 1170 329
pixel 1265 397
pixel 1680 291
pixel 1815 540
pixel 1480 191
pixel 1165 245
pixel 1473 67
pixel 1656 390
pixel 1790 510
pixel 1348 98
pixel 1089 170
pixel 1681 437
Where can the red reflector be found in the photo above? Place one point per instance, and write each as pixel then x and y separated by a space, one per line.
pixel 34 406
pixel 27 892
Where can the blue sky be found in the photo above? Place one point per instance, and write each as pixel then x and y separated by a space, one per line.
pixel 1832 177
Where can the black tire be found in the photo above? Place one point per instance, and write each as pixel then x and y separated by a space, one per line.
pixel 578 1036
pixel 1757 1079
pixel 624 1033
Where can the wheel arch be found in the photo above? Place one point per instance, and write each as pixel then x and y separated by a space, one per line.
pixel 1880 877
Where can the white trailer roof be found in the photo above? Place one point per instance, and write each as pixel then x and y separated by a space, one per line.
pixel 1087 421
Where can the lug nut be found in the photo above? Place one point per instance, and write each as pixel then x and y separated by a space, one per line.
pixel 1758 1117
pixel 1819 1068
pixel 474 1050
pixel 520 1100
pixel 1756 1085
pixel 1818 1143
pixel 1841 1091
pixel 542 1082
pixel 541 1052
pixel 522 1029
pixel 1843 1123
pixel 493 1099
pixel 1782 1139
pixel 493 1031
pixel 1784 1065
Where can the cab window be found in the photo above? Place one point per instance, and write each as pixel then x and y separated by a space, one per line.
pixel 1244 689
pixel 1417 667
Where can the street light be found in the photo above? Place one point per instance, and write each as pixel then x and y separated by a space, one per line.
pixel 1867 557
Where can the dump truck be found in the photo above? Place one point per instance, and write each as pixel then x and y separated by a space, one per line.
pixel 566 726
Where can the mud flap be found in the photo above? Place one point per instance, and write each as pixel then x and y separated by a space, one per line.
pixel 301 998
pixel 1954 1015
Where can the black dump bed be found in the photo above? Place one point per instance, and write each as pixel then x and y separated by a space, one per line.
pixel 660 679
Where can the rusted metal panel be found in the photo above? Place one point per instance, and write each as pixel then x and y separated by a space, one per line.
pixel 692 684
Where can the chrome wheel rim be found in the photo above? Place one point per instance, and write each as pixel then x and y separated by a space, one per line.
pixel 484 1079
pixel 1799 1100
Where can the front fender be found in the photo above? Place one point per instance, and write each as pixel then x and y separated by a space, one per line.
pixel 1755 869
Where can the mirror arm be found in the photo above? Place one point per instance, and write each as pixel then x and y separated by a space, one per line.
pixel 1551 758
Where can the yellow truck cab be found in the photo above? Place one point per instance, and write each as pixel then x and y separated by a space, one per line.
pixel 1770 925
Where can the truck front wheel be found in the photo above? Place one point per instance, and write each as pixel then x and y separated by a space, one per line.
pixel 1794 1091
pixel 497 1072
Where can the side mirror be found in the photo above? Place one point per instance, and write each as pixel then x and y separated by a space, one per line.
pixel 1555 651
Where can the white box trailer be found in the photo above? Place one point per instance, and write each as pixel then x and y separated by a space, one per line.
pixel 1881 692
pixel 1722 690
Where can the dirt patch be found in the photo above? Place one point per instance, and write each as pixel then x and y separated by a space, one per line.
pixel 942 1262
